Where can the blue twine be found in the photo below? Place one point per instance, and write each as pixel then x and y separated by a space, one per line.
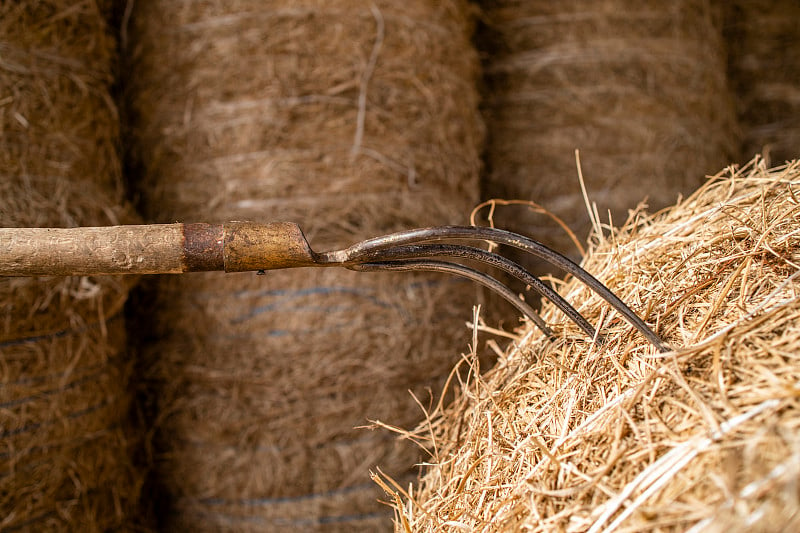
pixel 38 425
pixel 57 334
pixel 281 521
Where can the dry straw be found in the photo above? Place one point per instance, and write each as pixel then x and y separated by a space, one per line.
pixel 763 39
pixel 352 118
pixel 571 436
pixel 63 372
pixel 638 87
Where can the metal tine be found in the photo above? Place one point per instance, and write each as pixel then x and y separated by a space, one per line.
pixel 406 265
pixel 419 251
pixel 508 238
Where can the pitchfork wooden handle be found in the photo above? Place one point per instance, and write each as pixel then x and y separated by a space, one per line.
pixel 152 249
pixel 248 246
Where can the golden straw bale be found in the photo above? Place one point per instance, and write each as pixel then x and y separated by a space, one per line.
pixel 639 88
pixel 64 462
pixel 569 435
pixel 352 118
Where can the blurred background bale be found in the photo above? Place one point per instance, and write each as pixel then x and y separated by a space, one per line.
pixel 354 119
pixel 764 39
pixel 64 370
pixel 639 88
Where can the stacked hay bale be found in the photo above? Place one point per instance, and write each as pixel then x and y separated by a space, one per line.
pixel 64 372
pixel 765 72
pixel 571 436
pixel 352 118
pixel 638 87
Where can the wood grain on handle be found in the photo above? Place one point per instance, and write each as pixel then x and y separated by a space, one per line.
pixel 152 249
pixel 88 251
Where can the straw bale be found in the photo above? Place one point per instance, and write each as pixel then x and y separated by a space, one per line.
pixel 320 95
pixel 63 459
pixel 573 436
pixel 63 374
pixel 639 88
pixel 764 37
pixel 352 118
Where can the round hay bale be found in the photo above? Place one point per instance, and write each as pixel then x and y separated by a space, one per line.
pixel 571 436
pixel 639 88
pixel 765 75
pixel 322 113
pixel 64 462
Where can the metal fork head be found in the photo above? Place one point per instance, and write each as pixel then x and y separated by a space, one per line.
pixel 411 250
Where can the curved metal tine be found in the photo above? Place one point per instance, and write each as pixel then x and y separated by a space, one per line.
pixel 419 251
pixel 463 271
pixel 517 241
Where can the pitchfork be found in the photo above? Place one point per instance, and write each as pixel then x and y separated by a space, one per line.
pixel 250 246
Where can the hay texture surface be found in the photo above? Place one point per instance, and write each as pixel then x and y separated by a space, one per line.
pixel 638 87
pixel 764 37
pixel 347 117
pixel 352 118
pixel 63 371
pixel 571 436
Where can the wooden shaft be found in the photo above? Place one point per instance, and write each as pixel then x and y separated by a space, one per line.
pixel 152 249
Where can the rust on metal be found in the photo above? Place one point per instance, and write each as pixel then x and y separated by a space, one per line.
pixel 203 247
